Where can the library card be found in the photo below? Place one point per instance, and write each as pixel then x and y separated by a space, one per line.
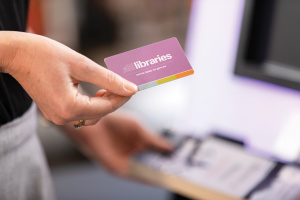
pixel 152 64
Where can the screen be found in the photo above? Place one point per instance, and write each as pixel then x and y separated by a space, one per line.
pixel 269 42
pixel 285 34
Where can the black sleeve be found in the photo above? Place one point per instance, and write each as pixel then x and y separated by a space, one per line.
pixel 14 101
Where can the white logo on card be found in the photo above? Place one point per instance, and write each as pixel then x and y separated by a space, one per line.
pixel 158 59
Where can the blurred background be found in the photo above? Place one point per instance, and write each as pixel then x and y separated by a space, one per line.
pixel 246 82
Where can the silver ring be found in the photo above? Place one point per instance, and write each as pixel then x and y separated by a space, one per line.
pixel 79 124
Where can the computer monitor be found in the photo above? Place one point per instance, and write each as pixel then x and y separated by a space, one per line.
pixel 261 114
pixel 269 42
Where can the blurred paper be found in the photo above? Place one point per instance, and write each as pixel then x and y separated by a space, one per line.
pixel 215 164
pixel 286 186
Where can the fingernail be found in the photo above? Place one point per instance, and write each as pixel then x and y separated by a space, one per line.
pixel 130 86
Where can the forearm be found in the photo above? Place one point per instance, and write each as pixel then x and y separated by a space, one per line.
pixel 9 45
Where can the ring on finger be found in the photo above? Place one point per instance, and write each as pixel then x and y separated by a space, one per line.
pixel 79 124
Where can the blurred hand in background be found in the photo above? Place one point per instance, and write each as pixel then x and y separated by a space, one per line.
pixel 115 139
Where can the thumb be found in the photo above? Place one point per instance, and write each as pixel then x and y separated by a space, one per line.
pixel 91 72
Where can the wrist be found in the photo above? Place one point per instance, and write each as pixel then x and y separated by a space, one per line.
pixel 9 48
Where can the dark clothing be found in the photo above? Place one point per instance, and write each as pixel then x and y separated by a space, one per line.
pixel 24 173
pixel 13 15
pixel 14 101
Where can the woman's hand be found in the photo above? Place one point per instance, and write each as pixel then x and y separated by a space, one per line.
pixel 115 139
pixel 50 73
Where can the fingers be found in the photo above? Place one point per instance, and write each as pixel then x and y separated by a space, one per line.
pixel 105 152
pixel 114 163
pixel 91 72
pixel 143 135
pixel 91 122
pixel 158 142
pixel 97 107
pixel 100 93
pixel 155 141
pixel 116 102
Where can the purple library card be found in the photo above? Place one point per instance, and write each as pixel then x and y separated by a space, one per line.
pixel 152 64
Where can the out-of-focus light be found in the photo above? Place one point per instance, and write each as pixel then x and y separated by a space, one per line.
pixel 287 145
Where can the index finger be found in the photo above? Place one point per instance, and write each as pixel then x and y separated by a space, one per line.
pixel 89 71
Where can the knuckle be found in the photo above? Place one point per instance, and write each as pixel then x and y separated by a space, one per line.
pixel 109 109
pixel 87 69
pixel 114 107
pixel 111 77
pixel 82 64
pixel 81 60
pixel 119 101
